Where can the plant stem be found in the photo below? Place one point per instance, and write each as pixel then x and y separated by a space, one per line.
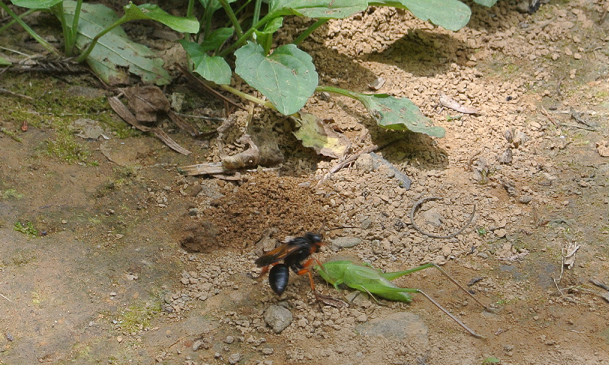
pixel 29 30
pixel 189 13
pixel 93 42
pixel 232 16
pixel 309 30
pixel 257 12
pixel 74 30
pixel 58 10
pixel 247 34
pixel 247 96
pixel 339 91
pixel 22 15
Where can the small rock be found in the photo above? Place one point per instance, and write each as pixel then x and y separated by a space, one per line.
pixel 366 223
pixel 506 157
pixel 446 250
pixel 602 148
pixel 364 163
pixel 519 139
pixel 398 326
pixel 433 217
pixel 377 84
pixel 346 242
pixel 278 318
pixel 198 344
pixel 525 199
pixel 500 233
pixel 229 339
pixel 234 358
pixel 267 351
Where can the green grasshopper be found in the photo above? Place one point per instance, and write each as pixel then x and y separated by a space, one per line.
pixel 375 282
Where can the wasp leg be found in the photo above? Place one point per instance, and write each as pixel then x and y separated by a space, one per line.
pixel 263 272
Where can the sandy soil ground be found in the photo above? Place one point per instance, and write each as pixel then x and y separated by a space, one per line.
pixel 108 254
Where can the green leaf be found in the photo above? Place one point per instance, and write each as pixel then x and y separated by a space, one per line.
pixel 314 134
pixel 115 52
pixel 398 113
pixel 36 4
pixel 287 77
pixel 212 68
pixel 213 3
pixel 4 61
pixel 487 3
pixel 153 12
pixel 215 69
pixel 271 27
pixel 216 38
pixel 334 9
pixel 449 14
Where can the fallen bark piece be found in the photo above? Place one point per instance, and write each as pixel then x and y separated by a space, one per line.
pixel 454 105
pixel 126 115
pixel 146 102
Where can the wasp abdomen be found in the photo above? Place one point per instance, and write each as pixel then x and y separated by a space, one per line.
pixel 278 278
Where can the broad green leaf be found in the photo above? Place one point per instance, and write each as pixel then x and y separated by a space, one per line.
pixel 36 4
pixel 215 69
pixel 398 113
pixel 449 14
pixel 115 52
pixel 487 3
pixel 287 77
pixel 314 134
pixel 213 3
pixel 271 27
pixel 212 68
pixel 216 38
pixel 334 9
pixel 153 12
pixel 4 61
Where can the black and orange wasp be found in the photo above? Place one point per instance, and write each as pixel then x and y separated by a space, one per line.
pixel 292 255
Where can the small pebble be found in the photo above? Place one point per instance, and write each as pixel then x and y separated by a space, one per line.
pixel 234 358
pixel 229 339
pixel 197 345
pixel 267 351
pixel 346 242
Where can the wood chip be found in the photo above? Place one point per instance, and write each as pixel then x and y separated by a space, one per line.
pixel 454 105
pixel 126 115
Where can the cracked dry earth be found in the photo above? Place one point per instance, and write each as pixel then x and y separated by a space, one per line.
pixel 140 264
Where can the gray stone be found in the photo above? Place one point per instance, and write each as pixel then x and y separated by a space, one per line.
pixel 278 318
pixel 403 326
pixel 234 358
pixel 346 242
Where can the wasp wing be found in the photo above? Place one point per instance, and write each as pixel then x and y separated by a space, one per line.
pixel 276 254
